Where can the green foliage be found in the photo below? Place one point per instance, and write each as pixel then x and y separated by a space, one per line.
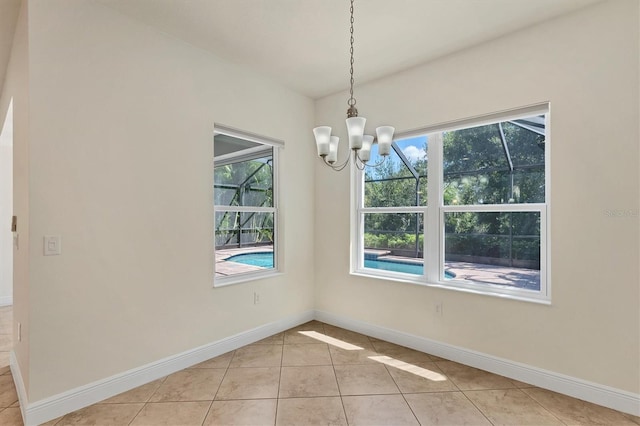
pixel 244 183
pixel 393 185
pixel 393 241
pixel 476 170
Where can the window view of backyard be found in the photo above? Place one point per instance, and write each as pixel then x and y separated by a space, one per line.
pixel 489 201
pixel 244 205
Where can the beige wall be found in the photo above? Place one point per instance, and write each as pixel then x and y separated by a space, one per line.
pixel 113 148
pixel 6 207
pixel 586 65
pixel 121 167
pixel 16 87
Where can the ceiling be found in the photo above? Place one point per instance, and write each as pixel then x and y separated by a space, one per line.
pixel 304 44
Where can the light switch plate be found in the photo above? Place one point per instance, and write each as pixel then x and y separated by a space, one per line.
pixel 52 245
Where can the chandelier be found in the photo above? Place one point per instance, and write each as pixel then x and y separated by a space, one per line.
pixel 359 143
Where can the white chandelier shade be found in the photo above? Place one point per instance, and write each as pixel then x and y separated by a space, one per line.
pixel 360 143
pixel 355 130
pixel 323 135
pixel 385 138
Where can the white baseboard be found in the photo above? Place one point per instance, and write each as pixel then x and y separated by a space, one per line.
pixel 47 409
pixel 588 391
pixel 17 380
pixel 50 408
pixel 6 300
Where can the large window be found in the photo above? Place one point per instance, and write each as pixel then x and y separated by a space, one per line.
pixel 245 206
pixel 463 205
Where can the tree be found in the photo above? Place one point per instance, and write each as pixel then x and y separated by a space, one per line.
pixel 476 170
pixel 244 183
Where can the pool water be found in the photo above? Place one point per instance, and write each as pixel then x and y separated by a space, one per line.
pixel 265 260
pixel 397 266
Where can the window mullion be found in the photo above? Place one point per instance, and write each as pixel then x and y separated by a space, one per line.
pixel 244 209
pixel 357 219
pixel 432 238
pixel 533 207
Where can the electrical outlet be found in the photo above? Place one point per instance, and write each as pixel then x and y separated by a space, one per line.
pixel 439 308
pixel 256 298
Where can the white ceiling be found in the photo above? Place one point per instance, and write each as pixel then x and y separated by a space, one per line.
pixel 304 43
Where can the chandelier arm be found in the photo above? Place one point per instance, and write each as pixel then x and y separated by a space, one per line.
pixel 339 167
pixel 342 166
pixel 366 164
pixel 378 164
pixel 360 165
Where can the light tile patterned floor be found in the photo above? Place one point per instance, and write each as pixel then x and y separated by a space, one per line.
pixel 6 337
pixel 317 374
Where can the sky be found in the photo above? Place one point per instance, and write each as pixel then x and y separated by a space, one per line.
pixel 412 148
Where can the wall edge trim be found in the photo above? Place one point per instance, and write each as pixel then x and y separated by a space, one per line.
pixel 603 395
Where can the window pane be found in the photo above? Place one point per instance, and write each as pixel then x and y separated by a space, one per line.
pixel 495 164
pixel 245 183
pixel 394 242
pixel 244 242
pixel 500 248
pixel 240 229
pixel 402 179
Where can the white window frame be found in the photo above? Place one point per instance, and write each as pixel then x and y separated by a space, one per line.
pixel 433 214
pixel 278 250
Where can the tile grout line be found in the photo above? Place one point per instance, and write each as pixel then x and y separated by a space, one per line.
pixel 476 407
pixel 146 402
pixel 275 418
pixel 335 375
pixel 138 413
pixel 402 394
pixel 543 407
pixel 226 370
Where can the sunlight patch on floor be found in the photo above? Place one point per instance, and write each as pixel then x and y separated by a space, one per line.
pixel 330 340
pixel 410 368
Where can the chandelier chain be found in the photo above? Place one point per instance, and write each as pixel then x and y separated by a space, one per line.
pixel 359 143
pixel 352 101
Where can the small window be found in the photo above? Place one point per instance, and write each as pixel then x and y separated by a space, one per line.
pixel 245 206
pixel 483 227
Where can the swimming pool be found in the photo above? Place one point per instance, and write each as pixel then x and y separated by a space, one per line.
pixel 264 259
pixel 398 266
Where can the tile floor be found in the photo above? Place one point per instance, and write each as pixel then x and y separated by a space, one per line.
pixel 317 374
pixel 6 330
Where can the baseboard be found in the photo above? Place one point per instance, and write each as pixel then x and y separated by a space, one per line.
pixel 17 380
pixel 6 300
pixel 50 408
pixel 588 391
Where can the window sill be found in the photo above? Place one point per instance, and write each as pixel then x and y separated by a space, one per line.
pixel 447 286
pixel 243 278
